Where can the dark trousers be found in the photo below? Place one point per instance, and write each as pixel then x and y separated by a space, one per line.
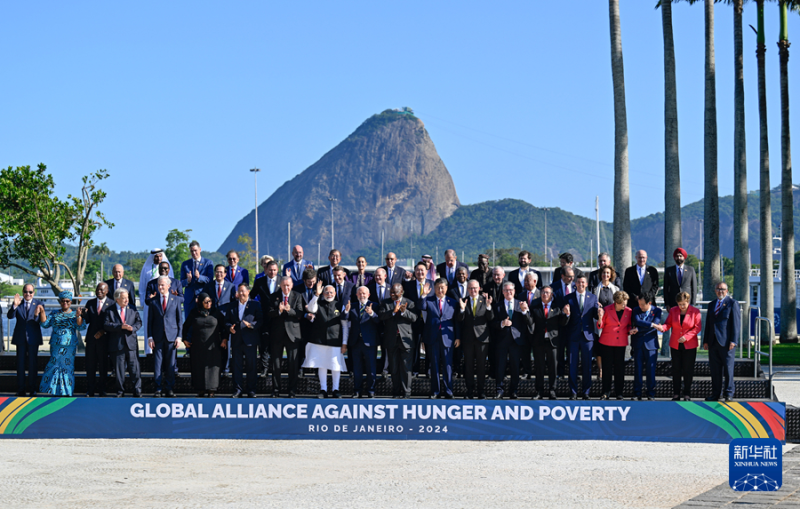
pixel 721 360
pixel 544 354
pixel 131 358
pixel 418 342
pixel 580 352
pixel 301 354
pixel 164 359
pixel 96 361
pixel 276 347
pixel 27 355
pixel 244 357
pixel 263 351
pixel 491 368
pixel 507 352
pixel 363 359
pixel 613 366
pixel 682 367
pixel 401 361
pixel 475 362
pixel 458 358
pixel 526 359
pixel 441 363
pixel 562 355
pixel 644 361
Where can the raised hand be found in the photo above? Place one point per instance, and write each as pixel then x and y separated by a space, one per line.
pixel 426 288
pixel 318 288
pixel 506 322
pixel 287 272
pixel 409 275
pixel 633 331
pixel 153 295
pixel 174 292
pixel 463 304
pixel 233 329
pixel 403 307
pixel 188 277
pixel 39 310
pixel 17 300
pixel 566 309
pixel 523 306
pixel 197 274
pixel 488 300
pixel 368 308
pixel 347 307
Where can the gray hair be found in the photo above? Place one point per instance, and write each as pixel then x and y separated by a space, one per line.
pixel 380 269
pixel 531 275
pixel 165 278
pixel 461 269
pixel 118 293
pixel 265 258
pixel 287 278
pixel 507 284
pixel 501 270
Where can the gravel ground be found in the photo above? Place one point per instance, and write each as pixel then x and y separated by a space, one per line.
pixel 228 473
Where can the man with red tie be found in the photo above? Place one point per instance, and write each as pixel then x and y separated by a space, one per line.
pixel 547 322
pixel 441 337
pixel 121 324
pixel 529 294
pixel 164 326
pixel 561 292
pixel 285 309
pixel 235 274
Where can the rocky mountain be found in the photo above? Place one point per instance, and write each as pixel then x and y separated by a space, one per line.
pixel 385 177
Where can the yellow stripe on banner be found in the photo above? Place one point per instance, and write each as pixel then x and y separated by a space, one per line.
pixel 9 412
pixel 743 412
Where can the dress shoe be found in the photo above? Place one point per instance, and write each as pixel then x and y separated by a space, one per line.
pixel 636 398
pixel 120 394
pixel 89 395
pixel 604 397
pixel 276 394
pixel 357 395
pixel 573 397
pixel 499 395
pixel 210 394
pixel 291 395
pixel 712 398
pixel 32 394
pixel 482 395
pixel 371 395
pixel 336 394
pixel 251 394
pixel 439 396
pixel 650 398
pixel 102 394
pixel 236 394
pixel 157 394
pixel 620 397
pixel 540 396
pixel 21 394
pixel 553 395
pixel 170 393
pixel 676 398
pixel 322 394
pixel 728 399
pixel 137 394
pixel 448 396
pixel 513 395
pixel 264 374
pixel 687 398
pixel 586 397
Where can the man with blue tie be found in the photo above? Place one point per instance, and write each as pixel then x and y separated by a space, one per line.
pixel 640 279
pixel 27 338
pixel 164 326
pixel 121 324
pixel 529 294
pixel 343 287
pixel 413 291
pixel 379 291
pixel 235 274
pixel 394 272
pixel 222 292
pixel 512 321
pixel 581 308
pixel 447 269
pixel 196 273
pixel 720 337
pixel 244 320
pixel 441 336
pixel 562 289
pixel 363 343
pixel 295 268
pixel 263 287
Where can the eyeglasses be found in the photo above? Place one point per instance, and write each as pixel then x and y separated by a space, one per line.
pixel 27 292
pixel 722 289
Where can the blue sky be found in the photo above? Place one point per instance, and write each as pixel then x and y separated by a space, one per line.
pixel 177 100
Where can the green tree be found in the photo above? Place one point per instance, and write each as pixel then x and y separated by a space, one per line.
pixel 177 250
pixel 35 224
pixel 135 268
pixel 101 250
pixel 247 256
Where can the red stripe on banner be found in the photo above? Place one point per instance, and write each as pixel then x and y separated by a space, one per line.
pixel 773 420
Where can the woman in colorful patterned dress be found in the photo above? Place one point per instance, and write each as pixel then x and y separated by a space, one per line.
pixel 59 375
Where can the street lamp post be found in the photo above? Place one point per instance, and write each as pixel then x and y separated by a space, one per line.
pixel 545 209
pixel 255 177
pixel 331 199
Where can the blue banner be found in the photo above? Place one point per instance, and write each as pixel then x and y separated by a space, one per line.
pixel 389 419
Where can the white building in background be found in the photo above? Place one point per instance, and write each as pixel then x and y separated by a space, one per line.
pixel 5 278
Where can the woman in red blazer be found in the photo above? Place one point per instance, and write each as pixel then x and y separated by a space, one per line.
pixel 614 322
pixel 684 320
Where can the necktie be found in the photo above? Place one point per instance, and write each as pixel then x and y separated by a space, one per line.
pixel 163 303
pixel 390 274
pixel 99 307
pixel 463 293
pixel 285 299
pixel 419 289
pixel 440 314
pixel 27 307
pixel 450 275
pixel 339 292
pixel 219 291
pixel 580 301
pixel 474 304
pixel 530 297
pixel 122 314
pixel 380 292
pixel 641 275
pixel 361 312
pixel 546 312
pixel 232 272
pixel 719 306
pixel 680 276
pixel 566 289
pixel 271 285
pixel 308 295
pixel 360 280
pixel 510 309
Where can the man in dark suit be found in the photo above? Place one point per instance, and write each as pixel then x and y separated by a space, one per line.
pixel 529 294
pixel 221 291
pixel 483 274
pixel 580 307
pixel 397 314
pixel 379 291
pixel 458 290
pixel 27 337
pixel 121 324
pixel 164 326
pixel 562 289
pixel 295 268
pixel 566 260
pixel 720 337
pixel 548 320
pixel 494 289
pixel 243 321
pixel 475 315
pixel 447 269
pixel 344 288
pixel 119 281
pixel 441 337
pixel 394 272
pixel 96 344
pixel 151 290
pixel 679 278
pixel 233 273
pixel 285 309
pixel 306 290
pixel 325 274
pixel 363 343
pixel 196 273
pixel 640 279
pixel 513 321
pixel 413 290
pixel 517 276
pixel 263 287
pixel 603 260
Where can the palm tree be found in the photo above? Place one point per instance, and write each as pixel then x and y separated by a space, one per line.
pixel 711 257
pixel 767 298
pixel 622 214
pixel 788 295
pixel 672 171
pixel 101 250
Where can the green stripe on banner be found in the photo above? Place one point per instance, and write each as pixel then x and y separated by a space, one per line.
pixel 25 411
pixel 710 417
pixel 42 412
pixel 731 417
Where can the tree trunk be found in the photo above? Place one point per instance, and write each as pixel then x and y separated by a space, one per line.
pixel 741 261
pixel 788 295
pixel 622 215
pixel 672 170
pixel 767 299
pixel 711 258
